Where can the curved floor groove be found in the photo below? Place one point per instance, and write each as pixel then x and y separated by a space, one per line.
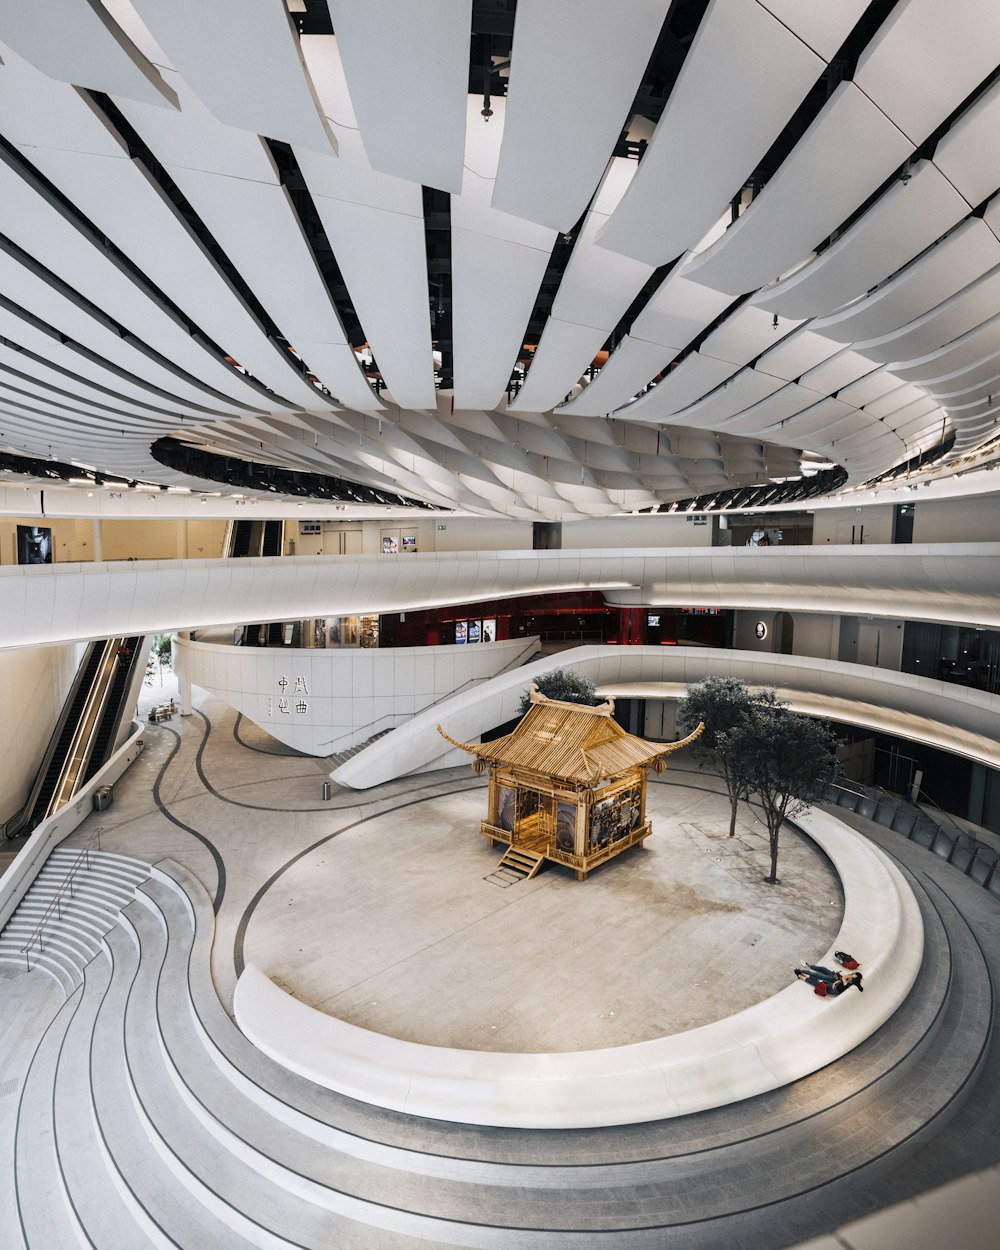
pixel 214 1144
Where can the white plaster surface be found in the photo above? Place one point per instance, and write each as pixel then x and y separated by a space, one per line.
pixel 66 602
pixel 945 715
pixel 768 1045
pixel 337 697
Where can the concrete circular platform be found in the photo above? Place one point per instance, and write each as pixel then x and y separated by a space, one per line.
pixel 393 927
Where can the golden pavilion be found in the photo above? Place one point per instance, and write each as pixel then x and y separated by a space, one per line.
pixel 567 785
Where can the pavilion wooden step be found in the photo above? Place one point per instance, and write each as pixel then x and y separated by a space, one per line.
pixel 519 863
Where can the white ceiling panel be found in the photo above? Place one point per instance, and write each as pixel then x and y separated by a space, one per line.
pixel 969 380
pixel 953 317
pixel 969 154
pixel 968 252
pixel 43 231
pixel 745 389
pixel 694 377
pixel 839 371
pixel 823 27
pixel 123 392
pixel 597 286
pixel 740 52
pixel 194 138
pixel 30 291
pixel 242 59
pixel 878 383
pixel 897 399
pixel 926 57
pixel 908 218
pixel 679 310
pixel 350 175
pixel 39 112
pixel 120 199
pixel 797 354
pixel 407 70
pixel 257 228
pixel 744 334
pixel 558 138
pixel 596 290
pixel 493 283
pixel 556 366
pixel 817 421
pixel 497 262
pixel 968 350
pixel 848 151
pixel 770 412
pixel 78 42
pixel 383 260
pixel 633 364
pixel 906 415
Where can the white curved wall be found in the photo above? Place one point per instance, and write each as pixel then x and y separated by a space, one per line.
pixel 34 685
pixel 333 699
pixel 47 604
pixel 952 717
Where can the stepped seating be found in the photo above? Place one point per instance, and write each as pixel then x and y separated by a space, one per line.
pixel 167 1128
pixel 88 907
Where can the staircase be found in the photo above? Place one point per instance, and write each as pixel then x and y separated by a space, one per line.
pixel 64 919
pixel 147 1119
pixel 516 864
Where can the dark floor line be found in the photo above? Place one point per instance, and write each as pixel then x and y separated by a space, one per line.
pixel 213 850
pixel 260 807
pixel 241 928
pixel 288 753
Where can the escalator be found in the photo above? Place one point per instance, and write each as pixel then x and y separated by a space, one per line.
pixel 86 733
pixel 255 538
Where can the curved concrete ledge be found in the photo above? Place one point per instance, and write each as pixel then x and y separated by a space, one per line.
pixel 768 1045
pixel 942 715
pixel 69 602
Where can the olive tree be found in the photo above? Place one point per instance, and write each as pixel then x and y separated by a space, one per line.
pixel 721 703
pixel 565 685
pixel 782 760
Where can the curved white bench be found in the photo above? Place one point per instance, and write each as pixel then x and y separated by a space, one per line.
pixel 759 1049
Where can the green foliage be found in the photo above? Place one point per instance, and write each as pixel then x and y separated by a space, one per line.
pixel 721 704
pixel 161 649
pixel 782 760
pixel 566 686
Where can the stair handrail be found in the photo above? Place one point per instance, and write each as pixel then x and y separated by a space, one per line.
pixel 66 885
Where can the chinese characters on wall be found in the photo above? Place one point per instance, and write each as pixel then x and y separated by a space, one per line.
pixel 290 701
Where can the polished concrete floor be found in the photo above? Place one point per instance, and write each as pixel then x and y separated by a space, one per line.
pixel 399 927
pixel 377 907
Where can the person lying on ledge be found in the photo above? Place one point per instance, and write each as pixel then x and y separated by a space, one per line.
pixel 825 981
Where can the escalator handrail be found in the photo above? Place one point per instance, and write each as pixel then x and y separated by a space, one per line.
pixel 21 817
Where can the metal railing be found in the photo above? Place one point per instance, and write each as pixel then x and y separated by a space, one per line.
pixel 82 861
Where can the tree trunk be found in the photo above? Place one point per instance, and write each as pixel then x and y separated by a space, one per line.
pixel 734 800
pixel 772 833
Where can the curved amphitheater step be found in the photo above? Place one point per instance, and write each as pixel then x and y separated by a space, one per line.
pixel 103 883
pixel 168 1128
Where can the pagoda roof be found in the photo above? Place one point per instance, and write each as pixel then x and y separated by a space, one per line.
pixel 572 742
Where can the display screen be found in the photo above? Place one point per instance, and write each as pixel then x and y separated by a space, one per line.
pixel 490 630
pixel 475 630
pixel 409 542
pixel 461 631
pixel 34 545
